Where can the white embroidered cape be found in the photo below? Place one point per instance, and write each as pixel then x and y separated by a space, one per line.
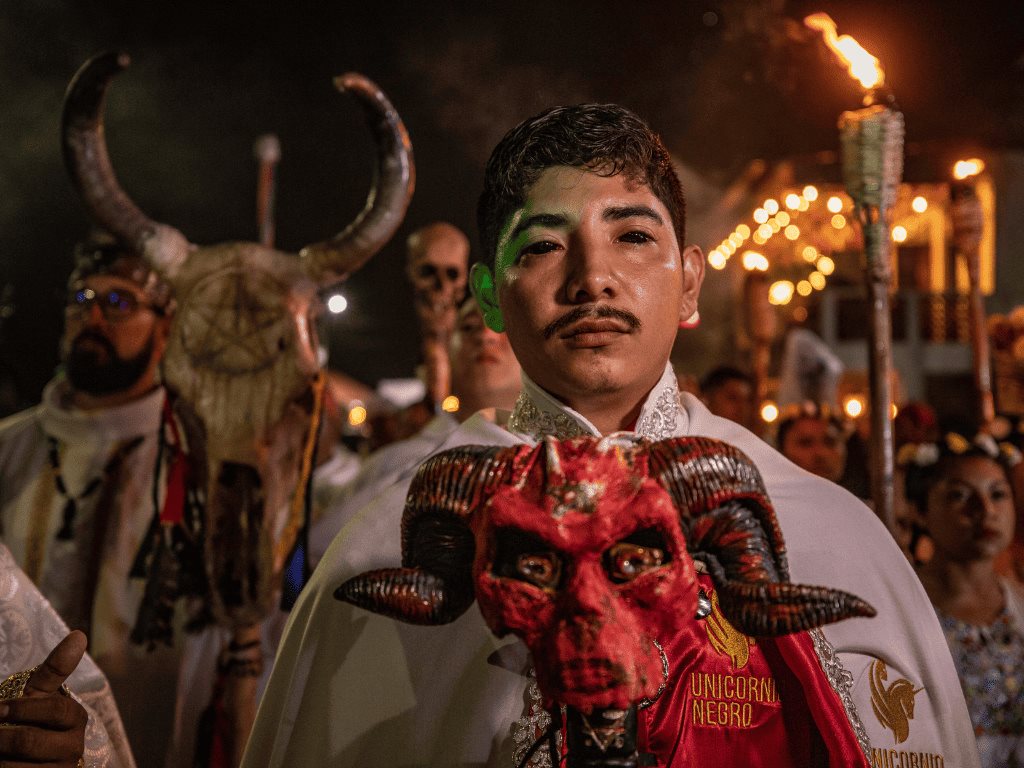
pixel 350 688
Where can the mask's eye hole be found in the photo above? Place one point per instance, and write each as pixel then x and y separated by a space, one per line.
pixel 636 555
pixel 526 558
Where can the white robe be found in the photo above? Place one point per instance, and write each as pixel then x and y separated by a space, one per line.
pixel 29 630
pixel 160 725
pixel 336 502
pixel 350 688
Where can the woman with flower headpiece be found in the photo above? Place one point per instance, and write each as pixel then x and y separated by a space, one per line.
pixel 961 489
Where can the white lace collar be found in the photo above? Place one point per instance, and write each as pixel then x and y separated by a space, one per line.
pixel 538 413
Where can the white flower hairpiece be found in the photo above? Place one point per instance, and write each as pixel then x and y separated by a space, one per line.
pixel 918 454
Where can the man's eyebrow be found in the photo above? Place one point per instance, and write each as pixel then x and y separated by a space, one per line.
pixel 539 220
pixel 620 212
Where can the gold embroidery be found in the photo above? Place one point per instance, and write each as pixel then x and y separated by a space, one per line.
pixel 891 758
pixel 725 638
pixel 729 701
pixel 893 704
pixel 42 507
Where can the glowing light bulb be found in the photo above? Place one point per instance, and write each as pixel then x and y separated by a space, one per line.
pixel 769 412
pixel 839 221
pixel 772 206
pixel 783 218
pixel 826 266
pixel 765 231
pixel 964 169
pixel 853 406
pixel 899 234
pixel 760 215
pixel 792 232
pixel 810 253
pixel 817 280
pixel 780 293
pixel 919 204
pixel 450 404
pixel 735 239
pixel 810 192
pixel 834 204
pixel 792 201
pixel 804 288
pixel 743 231
pixel 337 304
pixel 717 259
pixel 755 262
pixel 356 415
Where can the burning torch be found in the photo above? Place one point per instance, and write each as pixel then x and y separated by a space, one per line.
pixel 872 147
pixel 968 223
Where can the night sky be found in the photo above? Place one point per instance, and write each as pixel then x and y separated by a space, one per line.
pixel 724 83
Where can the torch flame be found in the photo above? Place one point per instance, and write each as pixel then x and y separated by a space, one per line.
pixel 861 65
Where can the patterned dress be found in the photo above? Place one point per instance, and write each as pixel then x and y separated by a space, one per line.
pixel 990 662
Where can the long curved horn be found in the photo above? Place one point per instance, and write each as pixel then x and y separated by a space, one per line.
pixel 333 260
pixel 731 526
pixel 87 161
pixel 435 584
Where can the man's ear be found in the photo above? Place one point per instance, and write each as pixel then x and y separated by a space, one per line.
pixel 481 283
pixel 693 277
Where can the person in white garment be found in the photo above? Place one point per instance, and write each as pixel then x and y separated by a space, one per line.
pixel 582 217
pixel 77 495
pixel 53 726
pixel 76 477
pixel 484 374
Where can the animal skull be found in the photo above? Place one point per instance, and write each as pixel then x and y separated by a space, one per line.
pixel 242 351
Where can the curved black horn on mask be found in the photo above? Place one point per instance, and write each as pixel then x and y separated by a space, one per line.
pixel 435 584
pixel 731 526
pixel 333 260
pixel 87 161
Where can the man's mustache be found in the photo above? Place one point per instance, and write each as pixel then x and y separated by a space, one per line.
pixel 591 311
pixel 92 335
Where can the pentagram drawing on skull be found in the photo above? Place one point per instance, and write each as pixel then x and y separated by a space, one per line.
pixel 235 322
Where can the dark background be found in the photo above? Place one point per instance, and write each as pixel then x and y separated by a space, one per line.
pixel 723 82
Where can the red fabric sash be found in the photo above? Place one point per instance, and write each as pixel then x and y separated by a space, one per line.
pixel 731 701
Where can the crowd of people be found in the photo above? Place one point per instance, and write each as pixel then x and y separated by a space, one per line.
pixel 584 285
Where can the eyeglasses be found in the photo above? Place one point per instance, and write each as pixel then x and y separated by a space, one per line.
pixel 115 305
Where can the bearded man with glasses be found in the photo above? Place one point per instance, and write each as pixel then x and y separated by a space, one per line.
pixel 77 490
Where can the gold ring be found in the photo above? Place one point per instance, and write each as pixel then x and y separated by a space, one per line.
pixel 14 686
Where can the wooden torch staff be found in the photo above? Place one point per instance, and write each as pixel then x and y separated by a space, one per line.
pixel 968 221
pixel 268 153
pixel 872 144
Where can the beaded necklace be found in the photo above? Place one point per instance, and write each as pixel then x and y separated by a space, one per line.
pixel 67 529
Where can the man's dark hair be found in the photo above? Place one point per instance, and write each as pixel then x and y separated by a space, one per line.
pixel 604 138
pixel 721 375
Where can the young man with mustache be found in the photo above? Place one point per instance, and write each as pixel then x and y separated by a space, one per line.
pixel 76 477
pixel 582 217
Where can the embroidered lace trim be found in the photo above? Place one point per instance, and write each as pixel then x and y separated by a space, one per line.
pixel 530 727
pixel 528 419
pixel 842 683
pixel 656 423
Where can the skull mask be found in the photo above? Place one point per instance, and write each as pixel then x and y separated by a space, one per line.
pixel 242 352
pixel 437 268
pixel 583 549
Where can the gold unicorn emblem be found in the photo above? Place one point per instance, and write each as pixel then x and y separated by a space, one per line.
pixel 894 703
pixel 725 638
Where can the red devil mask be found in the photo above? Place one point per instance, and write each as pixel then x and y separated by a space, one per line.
pixel 584 548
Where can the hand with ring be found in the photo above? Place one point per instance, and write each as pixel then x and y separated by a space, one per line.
pixel 44 726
